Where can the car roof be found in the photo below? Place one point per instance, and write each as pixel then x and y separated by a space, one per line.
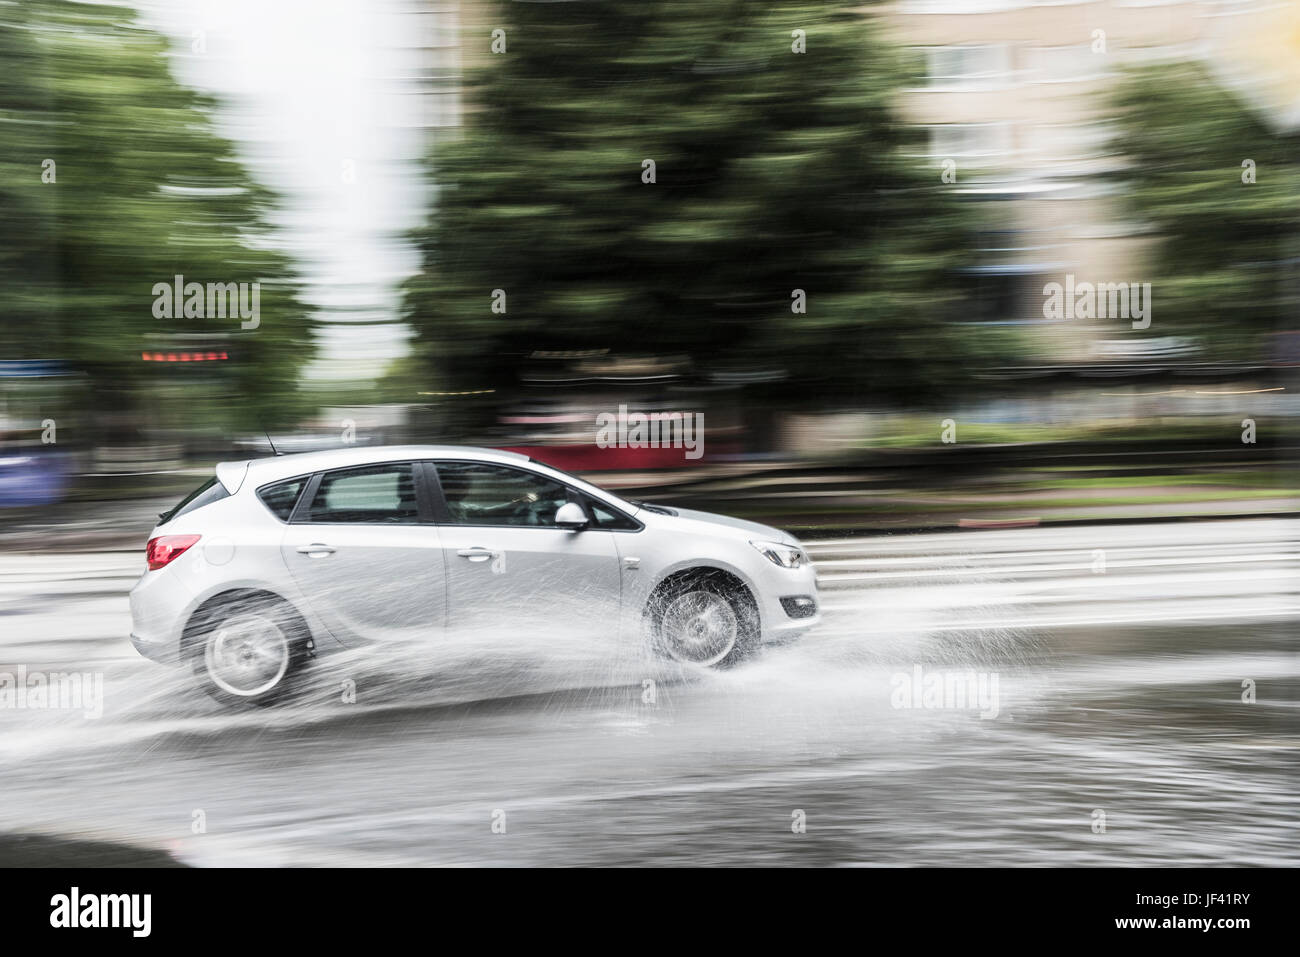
pixel 274 467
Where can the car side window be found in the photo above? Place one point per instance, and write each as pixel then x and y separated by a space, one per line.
pixel 478 493
pixel 281 497
pixel 372 495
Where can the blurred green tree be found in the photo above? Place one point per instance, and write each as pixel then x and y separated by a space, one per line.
pixel 112 179
pixel 780 164
pixel 1227 230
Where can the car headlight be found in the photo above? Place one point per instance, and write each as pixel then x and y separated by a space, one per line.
pixel 787 556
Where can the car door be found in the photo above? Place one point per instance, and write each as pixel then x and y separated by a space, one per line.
pixel 362 547
pixel 510 568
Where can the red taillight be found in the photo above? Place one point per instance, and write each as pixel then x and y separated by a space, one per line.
pixel 165 548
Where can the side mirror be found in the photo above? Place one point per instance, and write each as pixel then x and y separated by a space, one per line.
pixel 571 516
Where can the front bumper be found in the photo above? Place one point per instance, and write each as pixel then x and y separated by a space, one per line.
pixel 779 586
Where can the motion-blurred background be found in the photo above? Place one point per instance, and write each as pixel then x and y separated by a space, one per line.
pixel 928 264
pixel 831 229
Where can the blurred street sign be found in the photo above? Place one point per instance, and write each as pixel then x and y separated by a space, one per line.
pixel 25 368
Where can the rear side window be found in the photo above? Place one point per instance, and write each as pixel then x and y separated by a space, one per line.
pixel 376 495
pixel 281 497
pixel 207 493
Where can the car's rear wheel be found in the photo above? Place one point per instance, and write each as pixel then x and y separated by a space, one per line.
pixel 248 651
pixel 704 622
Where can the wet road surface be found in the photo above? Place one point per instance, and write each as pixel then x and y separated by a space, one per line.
pixel 1048 696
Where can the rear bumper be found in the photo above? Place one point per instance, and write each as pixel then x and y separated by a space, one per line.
pixel 160 603
pixel 163 652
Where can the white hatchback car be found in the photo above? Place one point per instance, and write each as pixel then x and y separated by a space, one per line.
pixel 278 559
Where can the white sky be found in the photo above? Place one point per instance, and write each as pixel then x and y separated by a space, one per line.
pixel 307 86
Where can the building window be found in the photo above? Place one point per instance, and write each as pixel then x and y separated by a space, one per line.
pixel 970 140
pixel 973 67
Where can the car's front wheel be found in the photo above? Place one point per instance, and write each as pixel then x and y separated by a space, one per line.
pixel 704 622
pixel 248 651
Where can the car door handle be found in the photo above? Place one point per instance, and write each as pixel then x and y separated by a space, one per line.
pixel 476 554
pixel 316 550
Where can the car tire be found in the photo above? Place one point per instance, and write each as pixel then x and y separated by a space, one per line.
pixel 249 650
pixel 705 622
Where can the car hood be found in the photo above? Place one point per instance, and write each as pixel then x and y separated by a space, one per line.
pixel 752 529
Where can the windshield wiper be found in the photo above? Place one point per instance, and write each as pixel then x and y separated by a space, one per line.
pixel 650 507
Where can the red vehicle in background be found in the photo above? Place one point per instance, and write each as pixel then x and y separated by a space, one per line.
pixel 571 438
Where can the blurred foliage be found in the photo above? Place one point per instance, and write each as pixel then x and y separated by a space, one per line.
pixel 775 171
pixel 143 189
pixel 1227 267
pixel 400 382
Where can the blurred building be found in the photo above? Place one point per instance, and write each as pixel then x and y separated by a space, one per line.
pixel 1016 97
pixel 426 61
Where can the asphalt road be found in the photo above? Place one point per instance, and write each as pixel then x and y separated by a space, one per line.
pixel 1047 696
